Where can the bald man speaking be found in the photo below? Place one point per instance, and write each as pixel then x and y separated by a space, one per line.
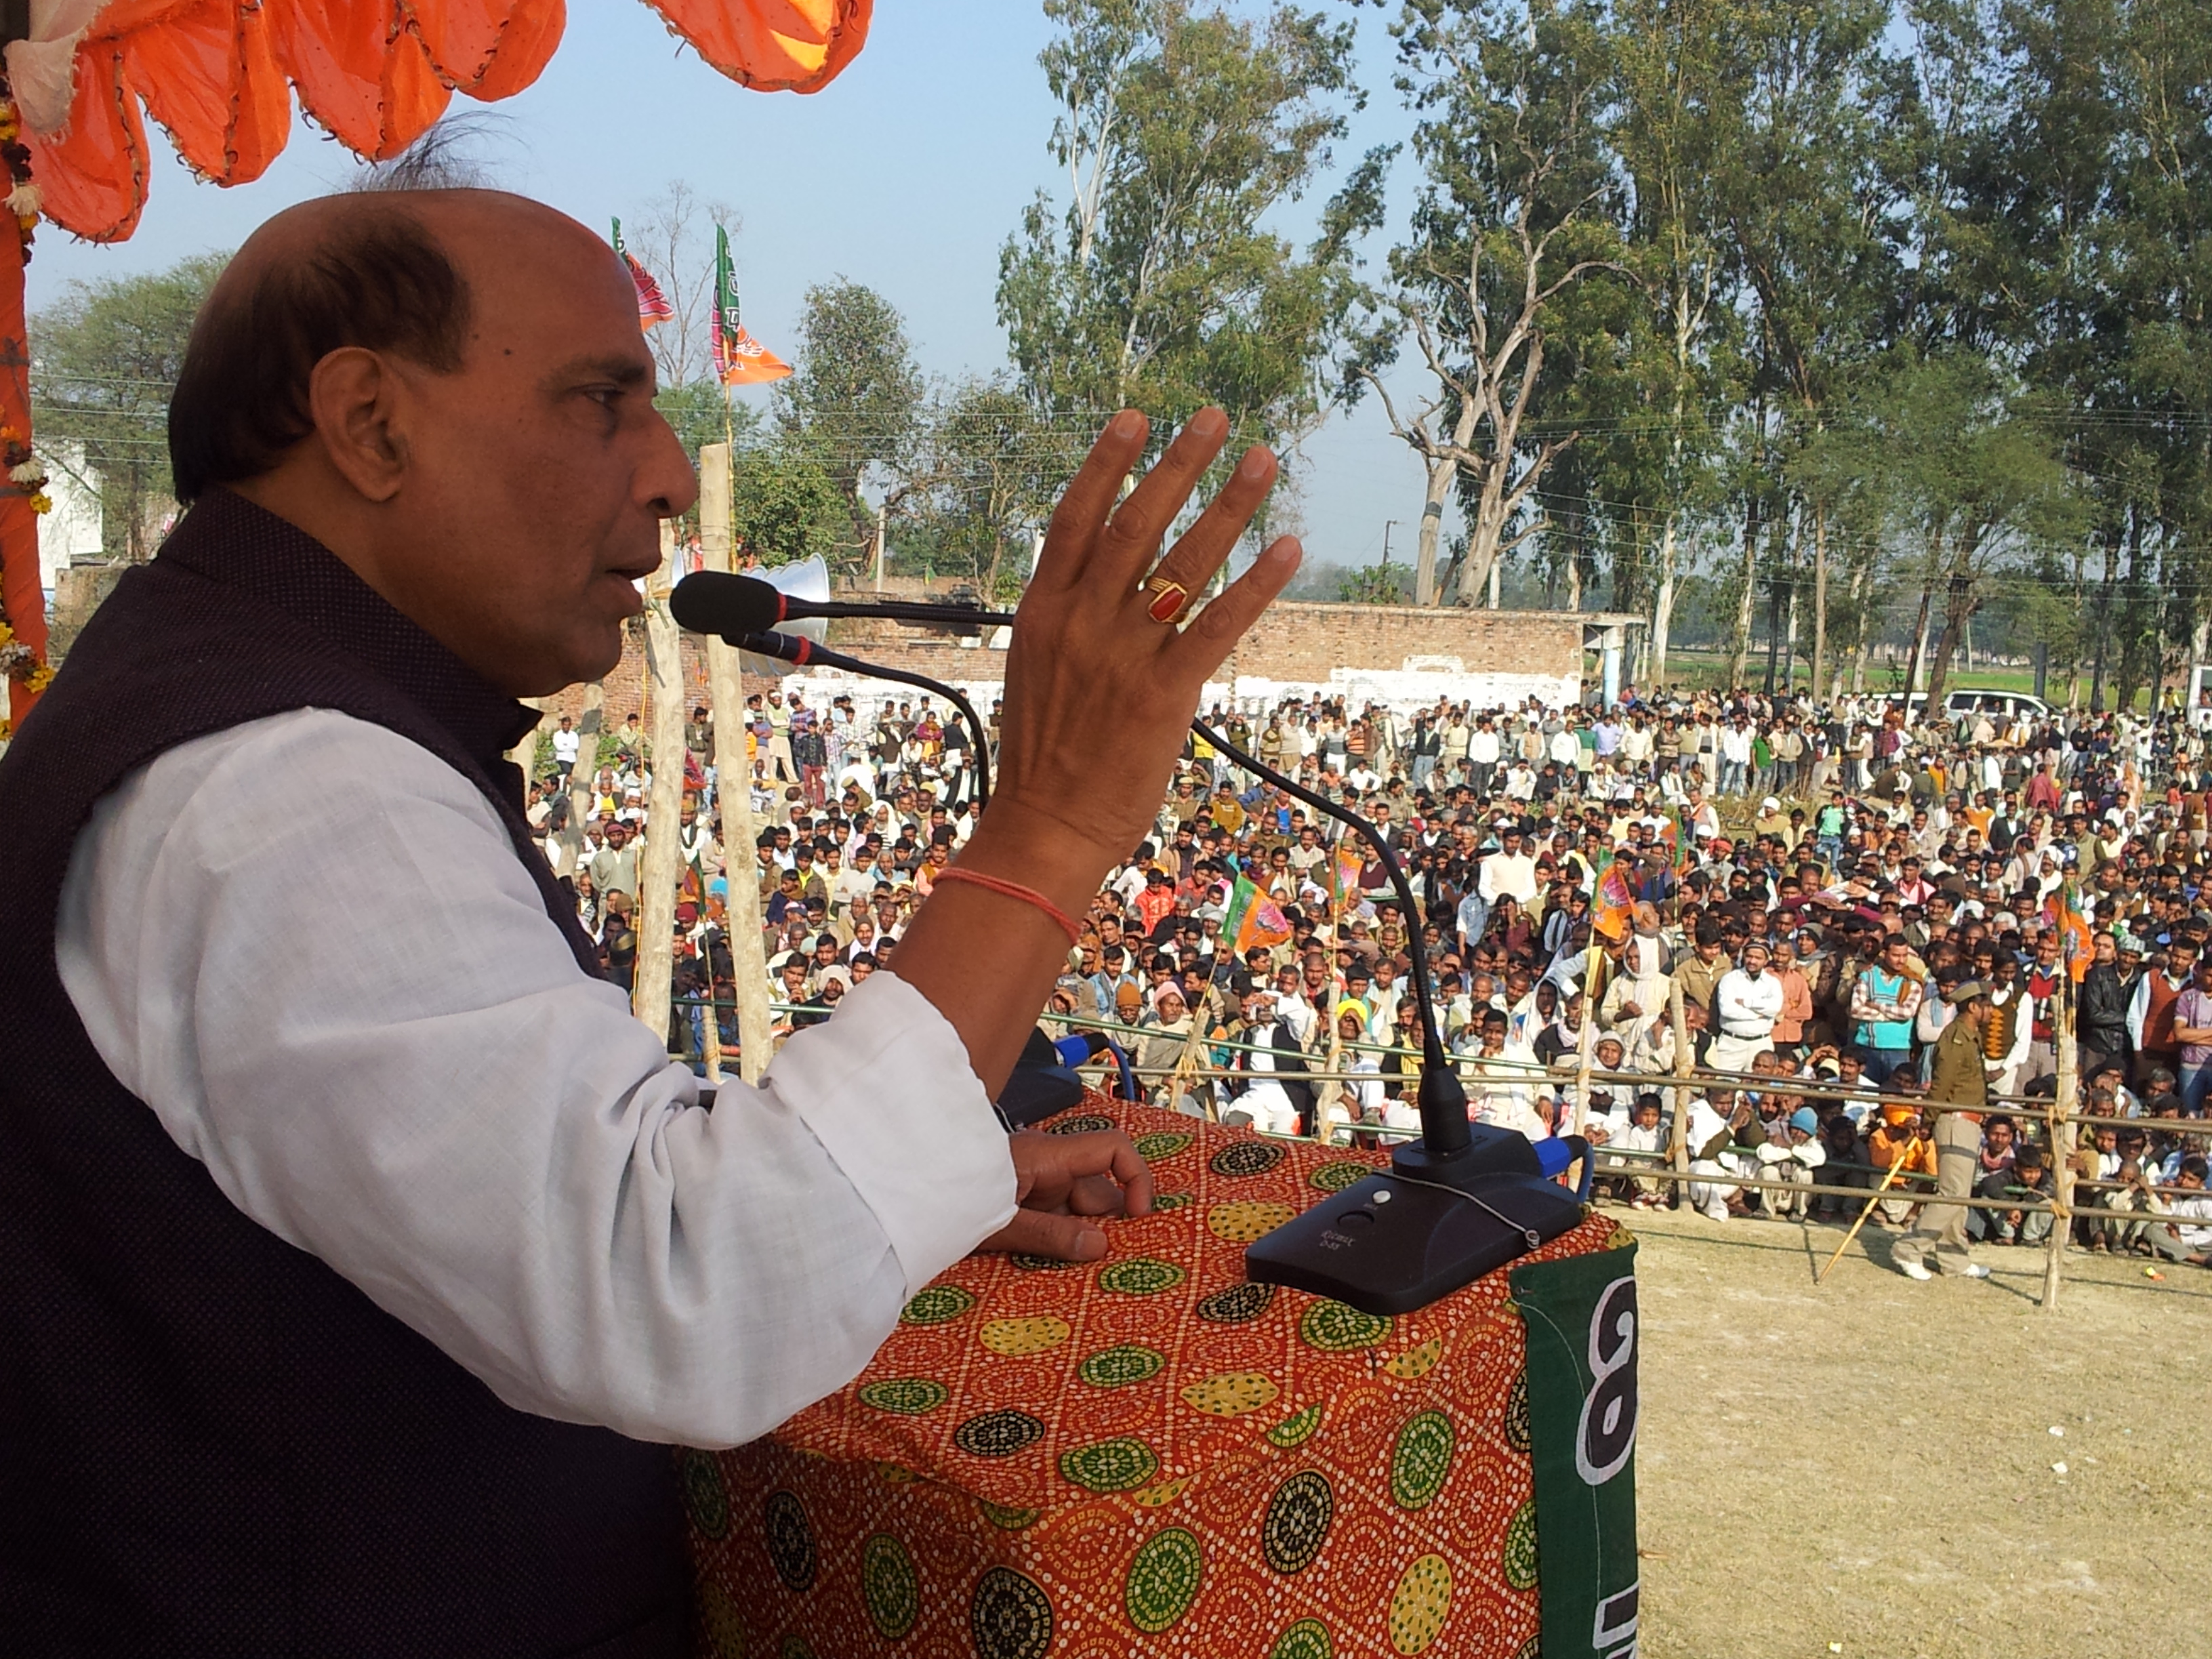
pixel 361 1256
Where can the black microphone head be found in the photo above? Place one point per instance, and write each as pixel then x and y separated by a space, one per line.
pixel 715 602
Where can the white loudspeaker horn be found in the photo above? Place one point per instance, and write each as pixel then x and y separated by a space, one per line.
pixel 807 579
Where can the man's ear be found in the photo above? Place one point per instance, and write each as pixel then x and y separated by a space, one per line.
pixel 357 402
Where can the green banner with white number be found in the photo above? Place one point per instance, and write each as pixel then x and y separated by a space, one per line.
pixel 1583 1337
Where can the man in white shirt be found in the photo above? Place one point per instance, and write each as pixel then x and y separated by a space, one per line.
pixel 305 967
pixel 1746 1002
pixel 1508 872
pixel 567 745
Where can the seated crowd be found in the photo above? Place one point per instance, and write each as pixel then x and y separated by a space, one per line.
pixel 1591 891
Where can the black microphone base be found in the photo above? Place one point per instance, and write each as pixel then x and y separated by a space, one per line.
pixel 1487 1151
pixel 1385 1246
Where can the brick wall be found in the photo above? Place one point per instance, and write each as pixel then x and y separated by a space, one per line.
pixel 1399 653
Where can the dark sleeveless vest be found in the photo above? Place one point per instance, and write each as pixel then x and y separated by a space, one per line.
pixel 209 1443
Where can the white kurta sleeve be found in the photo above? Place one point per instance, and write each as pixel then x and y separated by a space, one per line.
pixel 308 945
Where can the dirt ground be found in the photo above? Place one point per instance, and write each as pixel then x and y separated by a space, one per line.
pixel 1866 1467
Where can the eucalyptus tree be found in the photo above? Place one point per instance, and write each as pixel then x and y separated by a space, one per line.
pixel 1155 283
pixel 1519 203
pixel 1813 186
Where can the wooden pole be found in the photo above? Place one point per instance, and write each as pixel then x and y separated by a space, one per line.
pixel 733 773
pixel 1182 1080
pixel 2063 1137
pixel 1586 1041
pixel 524 753
pixel 1887 1182
pixel 1685 1056
pixel 583 781
pixel 658 869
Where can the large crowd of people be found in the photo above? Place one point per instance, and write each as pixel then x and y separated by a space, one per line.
pixel 1852 916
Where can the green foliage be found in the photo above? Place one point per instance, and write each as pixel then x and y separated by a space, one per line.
pixel 785 505
pixel 853 405
pixel 1181 128
pixel 1373 584
pixel 994 468
pixel 103 359
pixel 1520 202
pixel 700 413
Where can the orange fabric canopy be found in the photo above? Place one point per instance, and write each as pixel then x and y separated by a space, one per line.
pixel 219 77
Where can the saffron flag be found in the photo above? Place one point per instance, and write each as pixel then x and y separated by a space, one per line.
pixel 1344 874
pixel 2075 948
pixel 740 359
pixel 1252 918
pixel 1616 902
pixel 652 307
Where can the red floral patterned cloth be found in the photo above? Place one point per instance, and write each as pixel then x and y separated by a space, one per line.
pixel 1149 1454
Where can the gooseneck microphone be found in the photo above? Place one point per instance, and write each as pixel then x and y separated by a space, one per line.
pixel 1459 1202
pixel 1446 1135
pixel 716 602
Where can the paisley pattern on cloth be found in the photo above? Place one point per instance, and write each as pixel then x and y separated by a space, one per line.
pixel 1146 1456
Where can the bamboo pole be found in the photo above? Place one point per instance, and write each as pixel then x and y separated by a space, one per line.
pixel 733 773
pixel 1194 1045
pixel 2063 1137
pixel 1586 1035
pixel 663 860
pixel 1896 1167
pixel 583 781
pixel 1685 1061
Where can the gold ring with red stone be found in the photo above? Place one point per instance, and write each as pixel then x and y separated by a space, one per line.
pixel 1171 598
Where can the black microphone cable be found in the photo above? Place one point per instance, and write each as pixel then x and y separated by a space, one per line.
pixel 1442 1100
pixel 804 653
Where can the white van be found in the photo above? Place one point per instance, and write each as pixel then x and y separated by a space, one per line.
pixel 1999 706
pixel 1962 703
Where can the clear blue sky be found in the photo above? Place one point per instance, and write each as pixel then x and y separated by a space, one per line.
pixel 905 173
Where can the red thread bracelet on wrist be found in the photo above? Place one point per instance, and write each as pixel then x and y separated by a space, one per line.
pixel 1013 890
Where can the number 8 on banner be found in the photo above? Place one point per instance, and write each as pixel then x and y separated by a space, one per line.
pixel 1606 1436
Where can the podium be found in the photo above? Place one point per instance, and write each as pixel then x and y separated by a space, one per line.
pixel 1150 1455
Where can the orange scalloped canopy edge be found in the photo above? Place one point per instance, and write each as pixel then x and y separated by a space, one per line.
pixel 219 76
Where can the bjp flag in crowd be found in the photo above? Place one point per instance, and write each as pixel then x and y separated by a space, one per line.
pixel 1612 914
pixel 1253 920
pixel 1344 874
pixel 2076 947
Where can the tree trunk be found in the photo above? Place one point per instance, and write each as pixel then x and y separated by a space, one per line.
pixel 1484 535
pixel 1739 639
pixel 1919 645
pixel 1858 610
pixel 1957 607
pixel 1440 474
pixel 1662 606
pixel 1775 586
pixel 2104 621
pixel 1819 596
pixel 1790 641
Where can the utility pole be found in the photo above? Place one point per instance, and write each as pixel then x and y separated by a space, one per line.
pixel 1388 525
